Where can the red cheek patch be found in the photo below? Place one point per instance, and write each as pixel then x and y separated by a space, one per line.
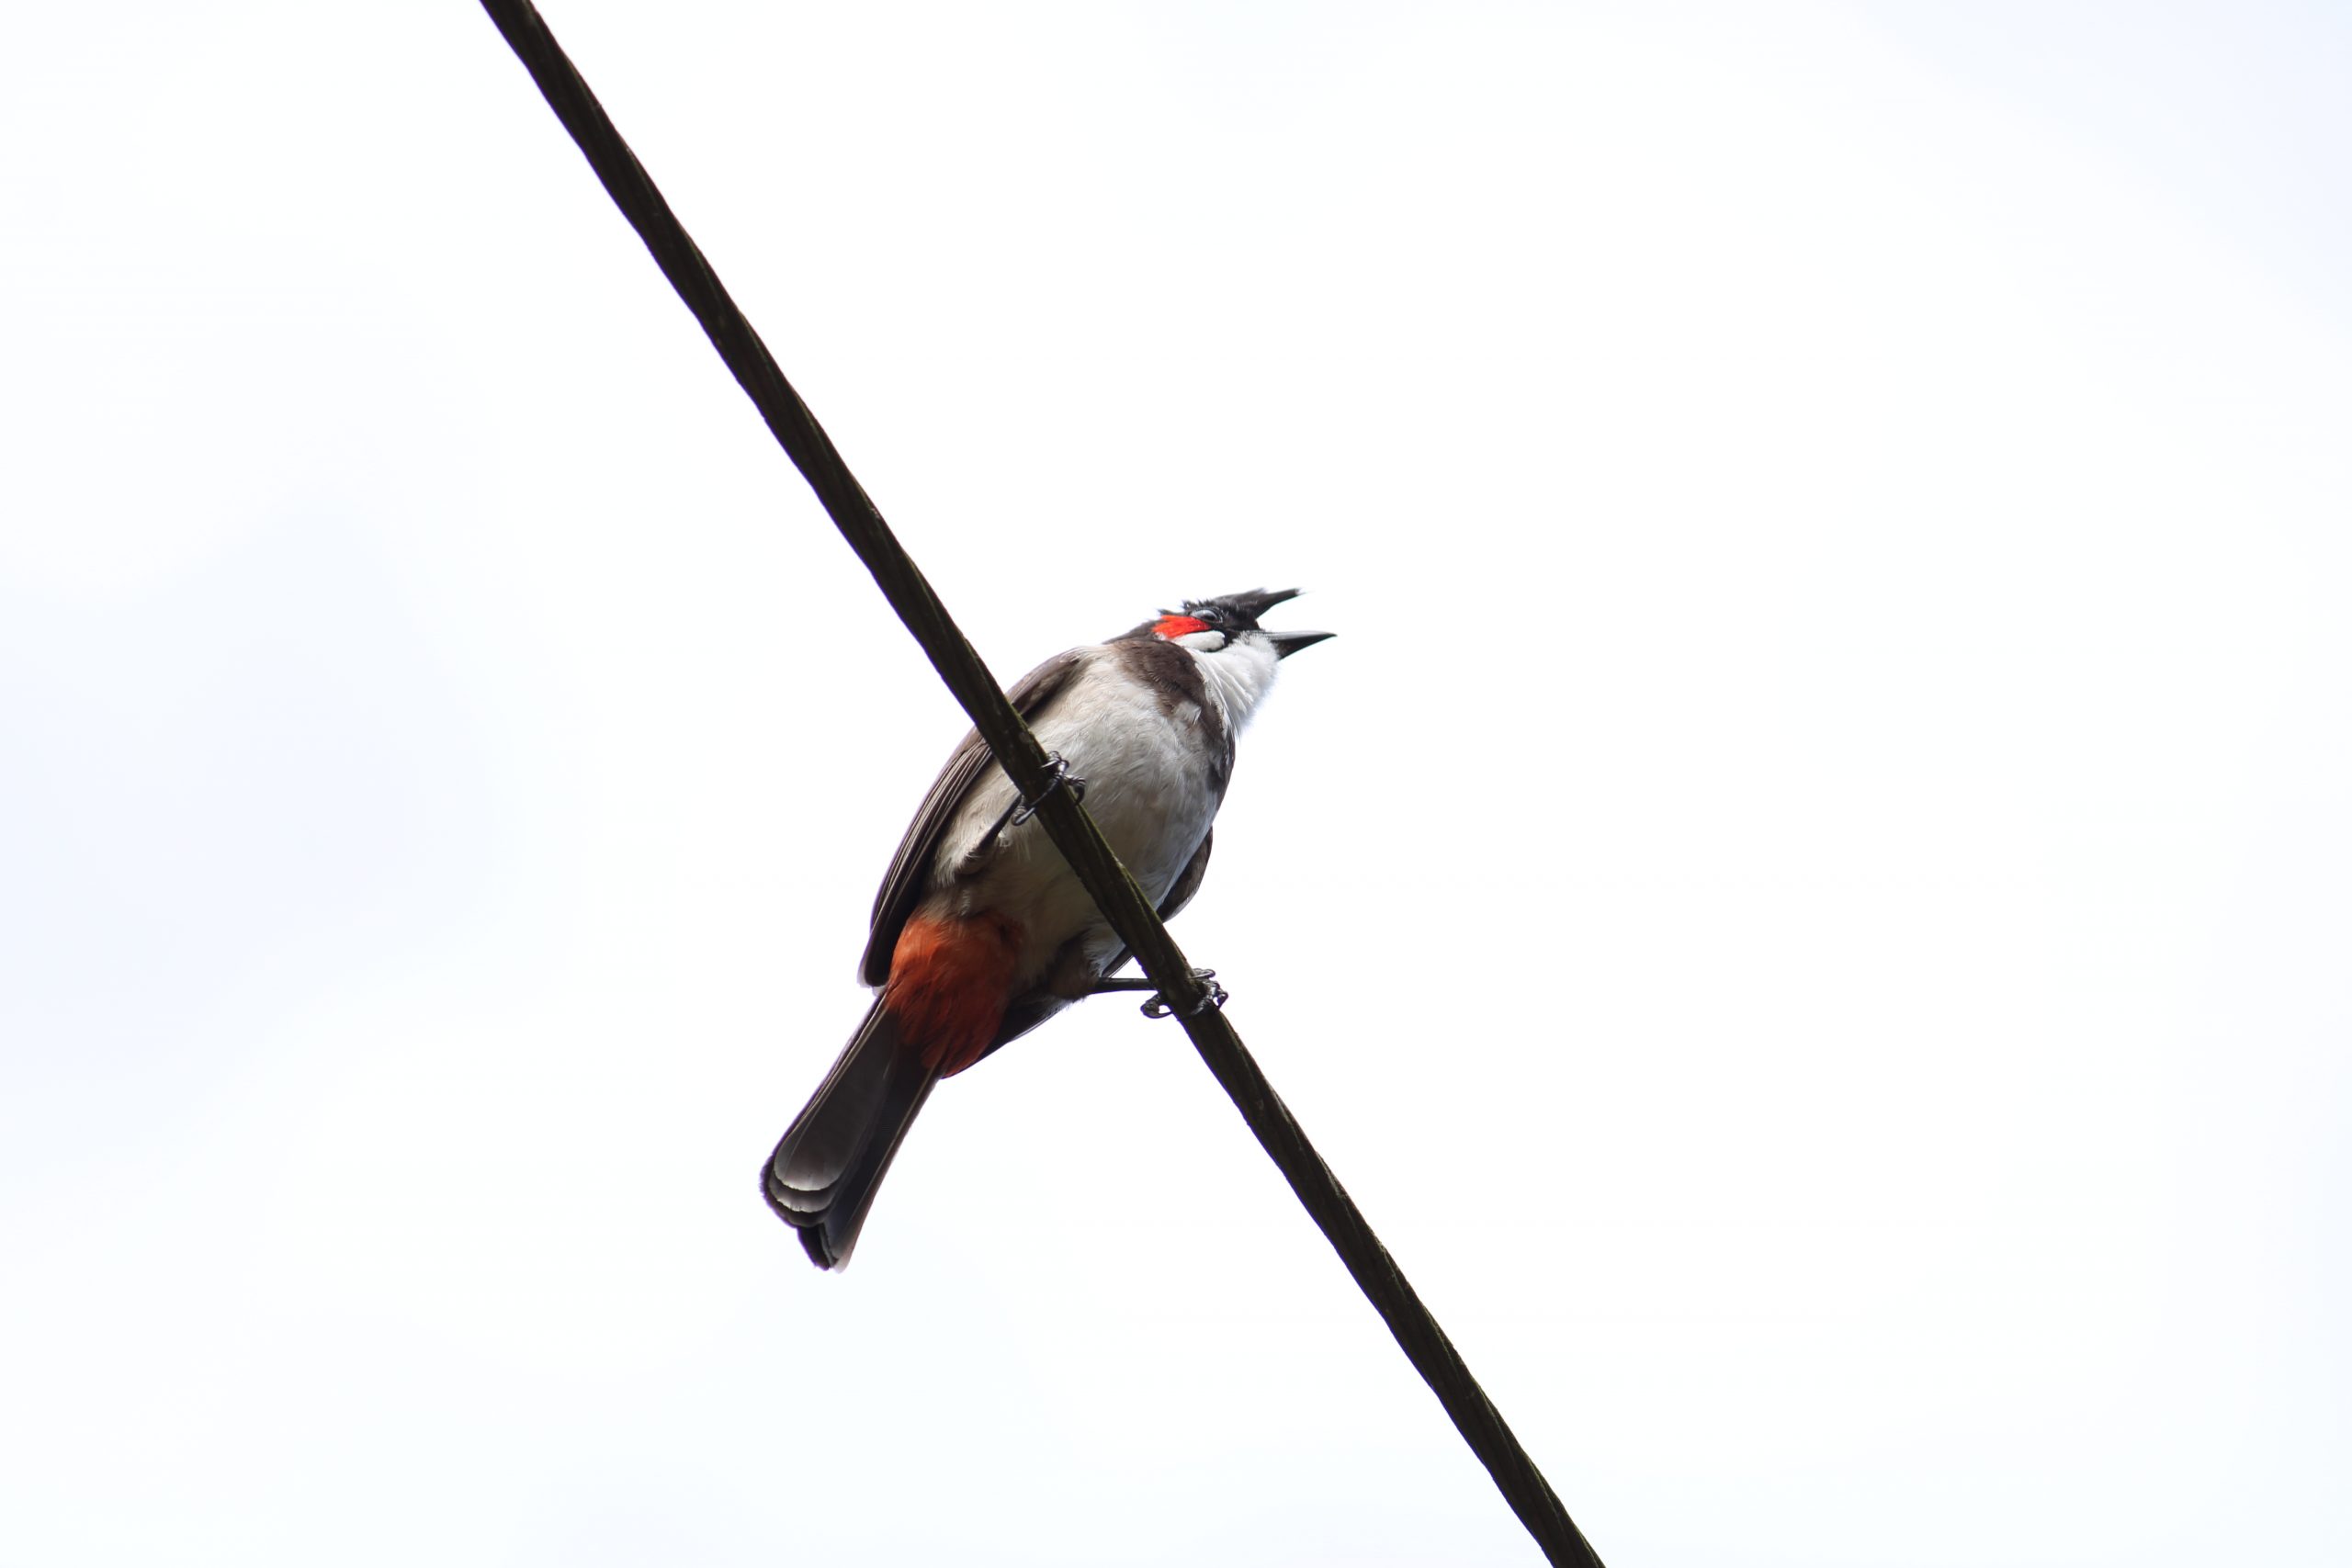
pixel 1173 626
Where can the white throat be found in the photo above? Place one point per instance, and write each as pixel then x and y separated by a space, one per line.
pixel 1237 674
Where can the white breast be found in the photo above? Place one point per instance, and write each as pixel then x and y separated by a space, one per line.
pixel 1150 786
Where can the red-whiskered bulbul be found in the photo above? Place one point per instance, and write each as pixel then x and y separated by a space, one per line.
pixel 981 931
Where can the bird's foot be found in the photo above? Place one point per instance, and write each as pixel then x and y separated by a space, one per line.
pixel 1212 996
pixel 1058 776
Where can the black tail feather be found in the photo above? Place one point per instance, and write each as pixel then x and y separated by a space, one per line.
pixel 822 1177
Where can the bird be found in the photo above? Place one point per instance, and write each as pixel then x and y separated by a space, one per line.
pixel 981 931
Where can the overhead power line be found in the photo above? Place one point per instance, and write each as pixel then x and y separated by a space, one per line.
pixel 1025 763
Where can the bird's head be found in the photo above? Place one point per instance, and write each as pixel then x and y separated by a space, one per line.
pixel 1230 623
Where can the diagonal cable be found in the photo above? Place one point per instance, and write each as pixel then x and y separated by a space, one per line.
pixel 1025 763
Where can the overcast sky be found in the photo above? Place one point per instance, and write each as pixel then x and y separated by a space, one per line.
pixel 1808 900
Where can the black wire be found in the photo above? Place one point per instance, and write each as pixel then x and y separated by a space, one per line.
pixel 1024 761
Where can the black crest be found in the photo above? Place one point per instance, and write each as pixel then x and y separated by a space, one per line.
pixel 1238 612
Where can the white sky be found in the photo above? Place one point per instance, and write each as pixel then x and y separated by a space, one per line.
pixel 1808 902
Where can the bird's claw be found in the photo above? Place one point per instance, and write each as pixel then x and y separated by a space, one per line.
pixel 1058 776
pixel 1212 996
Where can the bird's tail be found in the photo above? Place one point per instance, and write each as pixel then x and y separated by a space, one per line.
pixel 822 1176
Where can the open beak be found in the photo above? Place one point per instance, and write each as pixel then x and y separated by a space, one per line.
pixel 1287 643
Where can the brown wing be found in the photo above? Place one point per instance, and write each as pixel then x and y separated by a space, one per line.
pixel 908 876
pixel 1188 882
